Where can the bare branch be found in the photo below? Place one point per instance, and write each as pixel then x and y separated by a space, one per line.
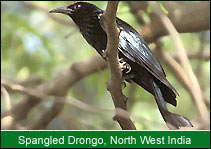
pixel 192 80
pixel 109 18
pixel 138 9
pixel 58 104
pixel 49 115
pixel 6 98
pixel 57 87
pixel 181 15
pixel 203 56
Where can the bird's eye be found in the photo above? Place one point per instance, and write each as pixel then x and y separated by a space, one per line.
pixel 77 6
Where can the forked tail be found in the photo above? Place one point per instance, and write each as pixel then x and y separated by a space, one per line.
pixel 171 119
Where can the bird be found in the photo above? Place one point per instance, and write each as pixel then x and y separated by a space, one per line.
pixel 138 62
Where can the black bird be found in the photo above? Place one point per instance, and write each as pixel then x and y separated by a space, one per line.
pixel 140 65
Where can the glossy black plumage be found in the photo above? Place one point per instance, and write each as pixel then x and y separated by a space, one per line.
pixel 145 68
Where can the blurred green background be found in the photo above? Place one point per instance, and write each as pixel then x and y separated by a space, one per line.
pixel 34 44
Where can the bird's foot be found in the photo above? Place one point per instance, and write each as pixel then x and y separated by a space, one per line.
pixel 125 67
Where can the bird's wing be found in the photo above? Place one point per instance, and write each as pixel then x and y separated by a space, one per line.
pixel 133 46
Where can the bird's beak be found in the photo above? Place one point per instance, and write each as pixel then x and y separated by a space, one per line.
pixel 63 10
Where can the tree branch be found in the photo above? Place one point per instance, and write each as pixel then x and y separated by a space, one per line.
pixel 109 18
pixel 49 115
pixel 192 80
pixel 181 15
pixel 56 87
pixel 203 56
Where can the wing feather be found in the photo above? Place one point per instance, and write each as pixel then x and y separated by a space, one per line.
pixel 135 48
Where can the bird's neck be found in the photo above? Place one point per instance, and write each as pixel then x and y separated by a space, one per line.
pixel 89 25
pixel 85 21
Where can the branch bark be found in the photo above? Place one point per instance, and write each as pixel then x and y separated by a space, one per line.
pixel 109 18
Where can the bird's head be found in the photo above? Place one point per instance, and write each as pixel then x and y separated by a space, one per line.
pixel 78 9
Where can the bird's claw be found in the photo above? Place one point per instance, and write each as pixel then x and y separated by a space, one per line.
pixel 99 16
pixel 124 66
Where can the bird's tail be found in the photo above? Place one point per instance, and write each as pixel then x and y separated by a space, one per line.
pixel 172 120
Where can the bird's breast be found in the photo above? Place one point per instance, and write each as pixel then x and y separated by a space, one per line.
pixel 94 35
